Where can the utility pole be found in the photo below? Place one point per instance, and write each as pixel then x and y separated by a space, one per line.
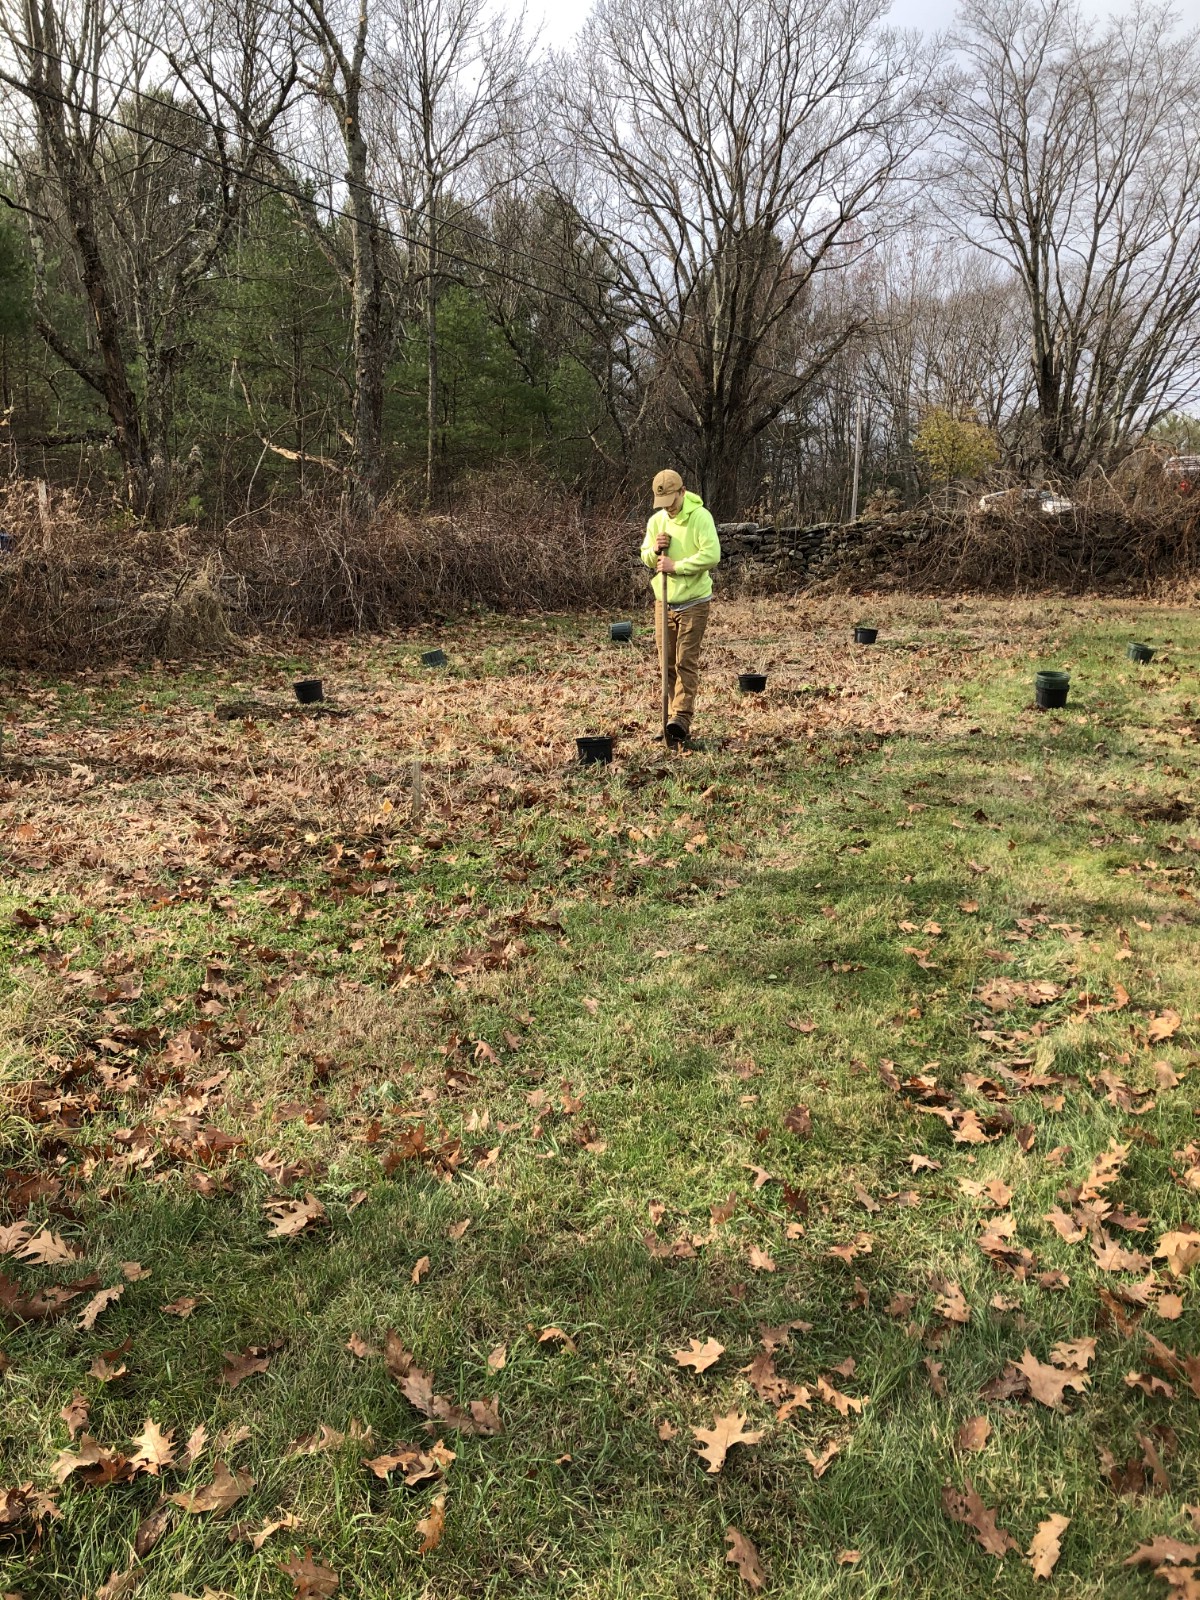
pixel 857 457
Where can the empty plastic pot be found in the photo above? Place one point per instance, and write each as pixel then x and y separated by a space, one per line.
pixel 1140 652
pixel 752 682
pixel 434 658
pixel 309 691
pixel 594 750
pixel 620 631
pixel 865 635
pixel 1050 688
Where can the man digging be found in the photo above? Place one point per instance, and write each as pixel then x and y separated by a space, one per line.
pixel 681 548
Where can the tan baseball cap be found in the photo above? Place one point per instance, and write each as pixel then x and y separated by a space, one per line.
pixel 666 486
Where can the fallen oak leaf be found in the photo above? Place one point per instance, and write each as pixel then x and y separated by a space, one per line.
pixel 557 1336
pixel 1163 1026
pixel 94 1462
pixel 224 1491
pixel 820 1464
pixel 246 1364
pixel 699 1356
pixel 1180 1250
pixel 432 1525
pixel 48 1249
pixel 965 1506
pixel 974 1434
pixel 843 1404
pixel 745 1558
pixel 417 1387
pixel 98 1303
pixel 1162 1549
pixel 183 1307
pixel 420 1268
pixel 1046 1547
pixel 311 1580
pixel 258 1537
pixel 155 1449
pixel 75 1414
pixel 759 1260
pixel 415 1464
pixel 717 1441
pixel 290 1217
pixel 1047 1383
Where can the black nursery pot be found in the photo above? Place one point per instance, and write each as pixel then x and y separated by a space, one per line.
pixel 865 635
pixel 620 631
pixel 594 751
pixel 434 658
pixel 1140 652
pixel 1050 688
pixel 752 682
pixel 309 691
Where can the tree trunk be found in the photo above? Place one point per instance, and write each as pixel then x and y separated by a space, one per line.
pixel 369 329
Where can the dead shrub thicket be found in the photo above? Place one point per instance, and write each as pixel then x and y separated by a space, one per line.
pixel 75 588
pixel 1134 531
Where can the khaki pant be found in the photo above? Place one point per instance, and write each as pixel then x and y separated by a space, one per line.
pixel 685 630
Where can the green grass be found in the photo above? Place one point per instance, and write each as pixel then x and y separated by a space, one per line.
pixel 649 936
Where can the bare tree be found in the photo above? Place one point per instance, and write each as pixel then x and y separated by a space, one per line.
pixel 731 153
pixel 1075 154
pixel 336 38
pixel 449 75
pixel 137 164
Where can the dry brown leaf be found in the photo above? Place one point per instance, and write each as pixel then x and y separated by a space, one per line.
pixel 224 1491
pixel 950 1302
pixel 456 1230
pixel 843 1404
pixel 1047 1545
pixel 48 1250
pixel 1163 1026
pixel 75 1414
pixel 1162 1549
pixel 820 1464
pixel 98 1303
pixel 432 1525
pixel 557 1336
pixel 1169 1307
pixel 974 1434
pixel 964 1505
pixel 849 1558
pixel 183 1307
pixel 760 1261
pixel 417 1387
pixel 745 1558
pixel 246 1364
pixel 699 1356
pixel 717 1441
pixel 416 1465
pixel 1074 1353
pixel 311 1580
pixel 1046 1383
pixel 359 1347
pixel 497 1358
pixel 94 1462
pixel 257 1537
pixel 155 1449
pixel 121 1584
pixel 1180 1250
pixel 151 1529
pixel 290 1217
pixel 420 1268
pixel 134 1271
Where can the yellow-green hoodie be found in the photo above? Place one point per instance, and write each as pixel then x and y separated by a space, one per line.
pixel 695 550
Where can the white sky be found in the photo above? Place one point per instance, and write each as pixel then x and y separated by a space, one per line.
pixel 555 21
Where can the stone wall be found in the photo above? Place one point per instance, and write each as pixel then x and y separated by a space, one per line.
pixel 753 552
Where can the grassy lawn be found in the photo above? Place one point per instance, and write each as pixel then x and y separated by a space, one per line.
pixel 816 1024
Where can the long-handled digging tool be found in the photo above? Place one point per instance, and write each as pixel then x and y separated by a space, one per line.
pixel 666 672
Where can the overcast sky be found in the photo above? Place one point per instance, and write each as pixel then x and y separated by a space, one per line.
pixel 556 20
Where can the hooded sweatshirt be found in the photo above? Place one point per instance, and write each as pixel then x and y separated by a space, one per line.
pixel 694 548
